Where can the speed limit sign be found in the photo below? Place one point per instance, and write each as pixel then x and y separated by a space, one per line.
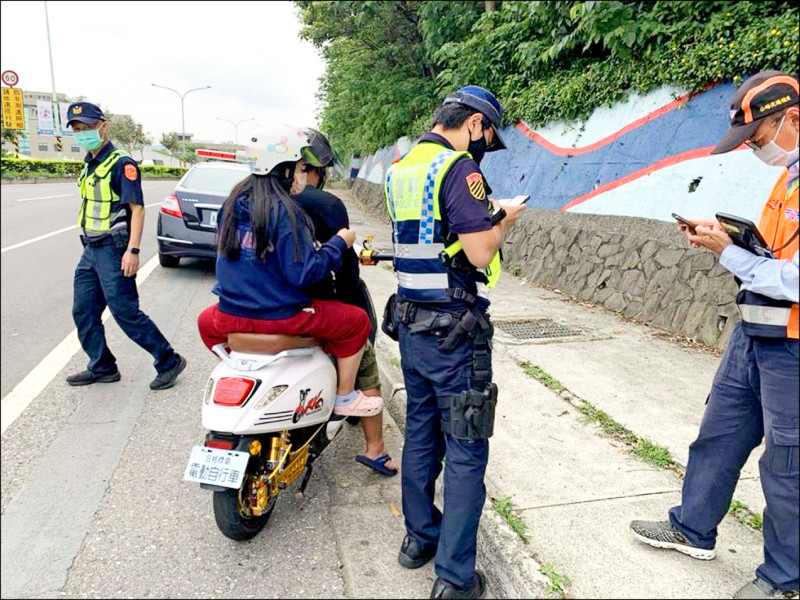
pixel 10 78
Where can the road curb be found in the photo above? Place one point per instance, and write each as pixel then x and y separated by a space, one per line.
pixel 510 565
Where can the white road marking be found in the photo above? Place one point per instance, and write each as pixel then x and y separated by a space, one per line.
pixel 52 233
pixel 27 390
pixel 46 197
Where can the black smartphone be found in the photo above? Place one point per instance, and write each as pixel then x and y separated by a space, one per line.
pixel 686 222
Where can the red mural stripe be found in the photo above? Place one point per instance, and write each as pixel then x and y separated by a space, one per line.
pixel 666 162
pixel 562 151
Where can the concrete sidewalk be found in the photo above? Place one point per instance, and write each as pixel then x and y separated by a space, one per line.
pixel 573 487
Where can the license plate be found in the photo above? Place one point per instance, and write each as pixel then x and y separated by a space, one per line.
pixel 216 466
pixel 212 218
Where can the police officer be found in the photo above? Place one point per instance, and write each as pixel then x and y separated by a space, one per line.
pixel 446 253
pixel 755 390
pixel 111 217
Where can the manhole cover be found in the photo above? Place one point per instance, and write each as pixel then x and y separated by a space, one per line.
pixel 531 329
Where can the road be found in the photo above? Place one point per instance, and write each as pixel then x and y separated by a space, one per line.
pixel 37 277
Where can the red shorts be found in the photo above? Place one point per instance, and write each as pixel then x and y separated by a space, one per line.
pixel 343 329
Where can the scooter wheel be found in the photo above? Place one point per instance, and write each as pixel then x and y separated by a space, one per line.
pixel 231 523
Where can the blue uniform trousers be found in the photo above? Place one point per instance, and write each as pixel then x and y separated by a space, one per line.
pixel 755 393
pixel 430 377
pixel 99 281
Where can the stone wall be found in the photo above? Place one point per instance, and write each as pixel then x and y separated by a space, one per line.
pixel 639 267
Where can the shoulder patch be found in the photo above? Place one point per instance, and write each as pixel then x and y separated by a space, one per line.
pixel 130 172
pixel 475 185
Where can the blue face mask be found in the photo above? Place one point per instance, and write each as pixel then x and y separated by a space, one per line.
pixel 89 139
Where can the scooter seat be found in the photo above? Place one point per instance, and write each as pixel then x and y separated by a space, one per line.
pixel 268 343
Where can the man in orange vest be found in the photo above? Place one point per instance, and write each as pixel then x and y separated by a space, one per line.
pixel 755 391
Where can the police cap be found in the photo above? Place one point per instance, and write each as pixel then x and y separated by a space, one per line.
pixel 85 112
pixel 484 102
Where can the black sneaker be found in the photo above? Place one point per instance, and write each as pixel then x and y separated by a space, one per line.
pixel 758 589
pixel 661 534
pixel 167 378
pixel 412 555
pixel 442 589
pixel 87 377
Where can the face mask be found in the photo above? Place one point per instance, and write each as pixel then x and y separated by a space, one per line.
pixel 299 182
pixel 773 155
pixel 477 148
pixel 89 139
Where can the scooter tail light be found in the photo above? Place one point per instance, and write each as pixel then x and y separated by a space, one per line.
pixel 172 206
pixel 273 393
pixel 221 444
pixel 233 391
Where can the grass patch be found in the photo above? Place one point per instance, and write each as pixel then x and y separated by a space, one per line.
pixel 745 516
pixel 558 582
pixel 506 510
pixel 642 448
pixel 542 377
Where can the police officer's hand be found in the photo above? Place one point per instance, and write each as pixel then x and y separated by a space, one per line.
pixel 130 264
pixel 348 235
pixel 685 228
pixel 512 214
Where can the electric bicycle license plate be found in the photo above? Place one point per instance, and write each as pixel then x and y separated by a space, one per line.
pixel 216 467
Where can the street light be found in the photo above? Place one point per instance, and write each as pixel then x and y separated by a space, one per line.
pixel 236 125
pixel 183 121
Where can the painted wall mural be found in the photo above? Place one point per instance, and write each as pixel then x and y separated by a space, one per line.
pixel 647 157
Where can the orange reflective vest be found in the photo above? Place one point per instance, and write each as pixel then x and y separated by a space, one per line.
pixel 763 316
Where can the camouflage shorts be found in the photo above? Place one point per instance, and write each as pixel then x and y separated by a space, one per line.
pixel 368 376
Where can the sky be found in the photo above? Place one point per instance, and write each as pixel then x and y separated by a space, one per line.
pixel 250 53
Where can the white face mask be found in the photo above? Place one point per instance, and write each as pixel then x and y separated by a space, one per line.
pixel 773 155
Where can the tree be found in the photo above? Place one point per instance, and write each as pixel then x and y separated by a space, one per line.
pixel 174 146
pixel 127 133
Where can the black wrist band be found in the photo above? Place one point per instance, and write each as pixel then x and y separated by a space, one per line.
pixel 133 250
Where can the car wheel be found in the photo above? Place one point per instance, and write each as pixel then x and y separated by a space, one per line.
pixel 168 261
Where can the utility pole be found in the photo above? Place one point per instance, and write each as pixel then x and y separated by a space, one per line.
pixel 183 120
pixel 54 97
pixel 236 126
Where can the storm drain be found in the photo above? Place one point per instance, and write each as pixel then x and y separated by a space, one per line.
pixel 533 329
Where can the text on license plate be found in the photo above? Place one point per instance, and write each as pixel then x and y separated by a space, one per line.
pixel 217 467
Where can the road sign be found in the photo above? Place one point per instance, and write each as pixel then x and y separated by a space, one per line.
pixel 10 78
pixel 13 108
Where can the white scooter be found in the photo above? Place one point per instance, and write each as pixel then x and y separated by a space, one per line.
pixel 268 406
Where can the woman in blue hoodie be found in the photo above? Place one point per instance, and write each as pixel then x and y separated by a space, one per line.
pixel 266 254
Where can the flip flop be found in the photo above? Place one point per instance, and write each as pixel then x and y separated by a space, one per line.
pixel 379 464
pixel 362 406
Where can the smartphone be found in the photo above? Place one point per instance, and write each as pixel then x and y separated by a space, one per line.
pixel 515 201
pixel 686 222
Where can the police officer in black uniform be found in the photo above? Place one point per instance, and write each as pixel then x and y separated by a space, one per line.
pixel 111 218
pixel 437 199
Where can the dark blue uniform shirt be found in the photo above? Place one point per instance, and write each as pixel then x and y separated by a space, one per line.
pixel 123 182
pixel 461 211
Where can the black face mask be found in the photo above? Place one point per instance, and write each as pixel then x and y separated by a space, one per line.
pixel 477 148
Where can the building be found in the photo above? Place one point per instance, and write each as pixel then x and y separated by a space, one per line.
pixel 36 145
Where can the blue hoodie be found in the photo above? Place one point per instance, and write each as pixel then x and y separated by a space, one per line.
pixel 271 289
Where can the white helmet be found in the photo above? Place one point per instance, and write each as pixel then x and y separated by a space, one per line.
pixel 276 144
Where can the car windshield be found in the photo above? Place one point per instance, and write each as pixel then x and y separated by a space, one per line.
pixel 220 181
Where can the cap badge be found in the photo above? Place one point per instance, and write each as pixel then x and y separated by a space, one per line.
pixel 76 110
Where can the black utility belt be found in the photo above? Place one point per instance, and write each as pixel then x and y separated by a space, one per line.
pixel 117 237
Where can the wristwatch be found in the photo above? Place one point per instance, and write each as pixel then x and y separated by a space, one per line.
pixel 133 250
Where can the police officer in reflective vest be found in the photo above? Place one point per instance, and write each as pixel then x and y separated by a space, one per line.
pixel 446 254
pixel 755 392
pixel 111 217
